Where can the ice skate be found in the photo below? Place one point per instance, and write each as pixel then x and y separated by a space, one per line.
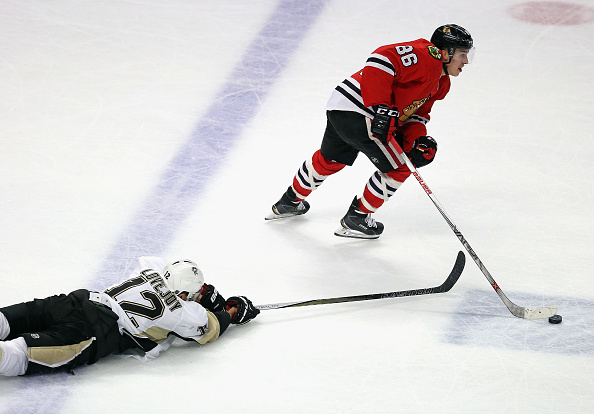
pixel 286 207
pixel 359 225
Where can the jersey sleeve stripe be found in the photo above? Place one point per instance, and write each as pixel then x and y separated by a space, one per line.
pixel 381 62
pixel 214 330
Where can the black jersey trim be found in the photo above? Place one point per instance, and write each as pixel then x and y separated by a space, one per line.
pixel 352 86
pixel 354 100
pixel 418 118
pixel 382 62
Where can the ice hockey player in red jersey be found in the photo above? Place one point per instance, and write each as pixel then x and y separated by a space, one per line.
pixel 387 103
pixel 140 316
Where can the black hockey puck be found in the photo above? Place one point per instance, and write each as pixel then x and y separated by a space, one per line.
pixel 555 319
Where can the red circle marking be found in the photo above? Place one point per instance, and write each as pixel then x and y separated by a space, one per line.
pixel 552 13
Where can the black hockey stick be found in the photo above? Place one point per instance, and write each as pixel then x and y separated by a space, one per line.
pixel 519 311
pixel 444 287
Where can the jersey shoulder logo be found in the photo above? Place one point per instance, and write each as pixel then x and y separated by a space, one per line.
pixel 435 52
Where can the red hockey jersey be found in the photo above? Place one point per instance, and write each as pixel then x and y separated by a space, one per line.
pixel 406 75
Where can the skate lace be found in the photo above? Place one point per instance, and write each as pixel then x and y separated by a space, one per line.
pixel 370 221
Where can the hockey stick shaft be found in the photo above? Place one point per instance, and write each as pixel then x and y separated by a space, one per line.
pixel 444 287
pixel 519 311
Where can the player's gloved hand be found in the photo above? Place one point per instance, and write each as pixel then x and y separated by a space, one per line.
pixel 423 151
pixel 246 311
pixel 211 299
pixel 384 122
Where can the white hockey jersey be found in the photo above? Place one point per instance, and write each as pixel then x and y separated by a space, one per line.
pixel 153 315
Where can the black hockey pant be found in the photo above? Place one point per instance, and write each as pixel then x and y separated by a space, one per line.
pixel 64 331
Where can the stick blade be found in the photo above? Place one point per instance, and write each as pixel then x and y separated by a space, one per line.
pixel 540 313
pixel 455 273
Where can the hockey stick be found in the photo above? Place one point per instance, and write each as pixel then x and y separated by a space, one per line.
pixel 444 287
pixel 519 311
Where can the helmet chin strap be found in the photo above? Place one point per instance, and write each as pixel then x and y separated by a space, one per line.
pixel 451 52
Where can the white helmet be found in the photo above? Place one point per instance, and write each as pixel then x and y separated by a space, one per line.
pixel 184 276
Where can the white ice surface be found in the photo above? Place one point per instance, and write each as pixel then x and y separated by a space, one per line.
pixel 97 98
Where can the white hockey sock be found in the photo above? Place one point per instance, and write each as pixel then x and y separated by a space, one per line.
pixel 14 357
pixel 4 327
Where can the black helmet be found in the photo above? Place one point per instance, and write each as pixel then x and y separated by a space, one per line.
pixel 451 37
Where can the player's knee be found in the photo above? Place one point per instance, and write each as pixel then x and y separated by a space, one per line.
pixel 399 175
pixel 324 166
pixel 4 327
pixel 13 357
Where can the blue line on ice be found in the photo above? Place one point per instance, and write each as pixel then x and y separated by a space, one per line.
pixel 158 219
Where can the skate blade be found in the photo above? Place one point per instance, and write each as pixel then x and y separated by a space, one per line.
pixel 353 234
pixel 274 216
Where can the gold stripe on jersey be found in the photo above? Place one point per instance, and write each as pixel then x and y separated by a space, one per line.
pixel 56 356
pixel 156 334
pixel 214 329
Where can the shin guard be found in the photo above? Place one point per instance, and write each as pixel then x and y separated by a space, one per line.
pixel 380 187
pixel 312 174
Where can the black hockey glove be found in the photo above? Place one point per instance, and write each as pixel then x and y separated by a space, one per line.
pixel 384 122
pixel 246 311
pixel 423 151
pixel 211 299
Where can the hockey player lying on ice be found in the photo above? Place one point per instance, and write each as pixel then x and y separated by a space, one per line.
pixel 143 314
pixel 385 103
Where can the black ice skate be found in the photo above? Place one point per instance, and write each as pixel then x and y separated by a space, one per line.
pixel 286 207
pixel 359 225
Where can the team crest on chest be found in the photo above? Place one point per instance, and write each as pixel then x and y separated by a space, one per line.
pixel 412 108
pixel 435 52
